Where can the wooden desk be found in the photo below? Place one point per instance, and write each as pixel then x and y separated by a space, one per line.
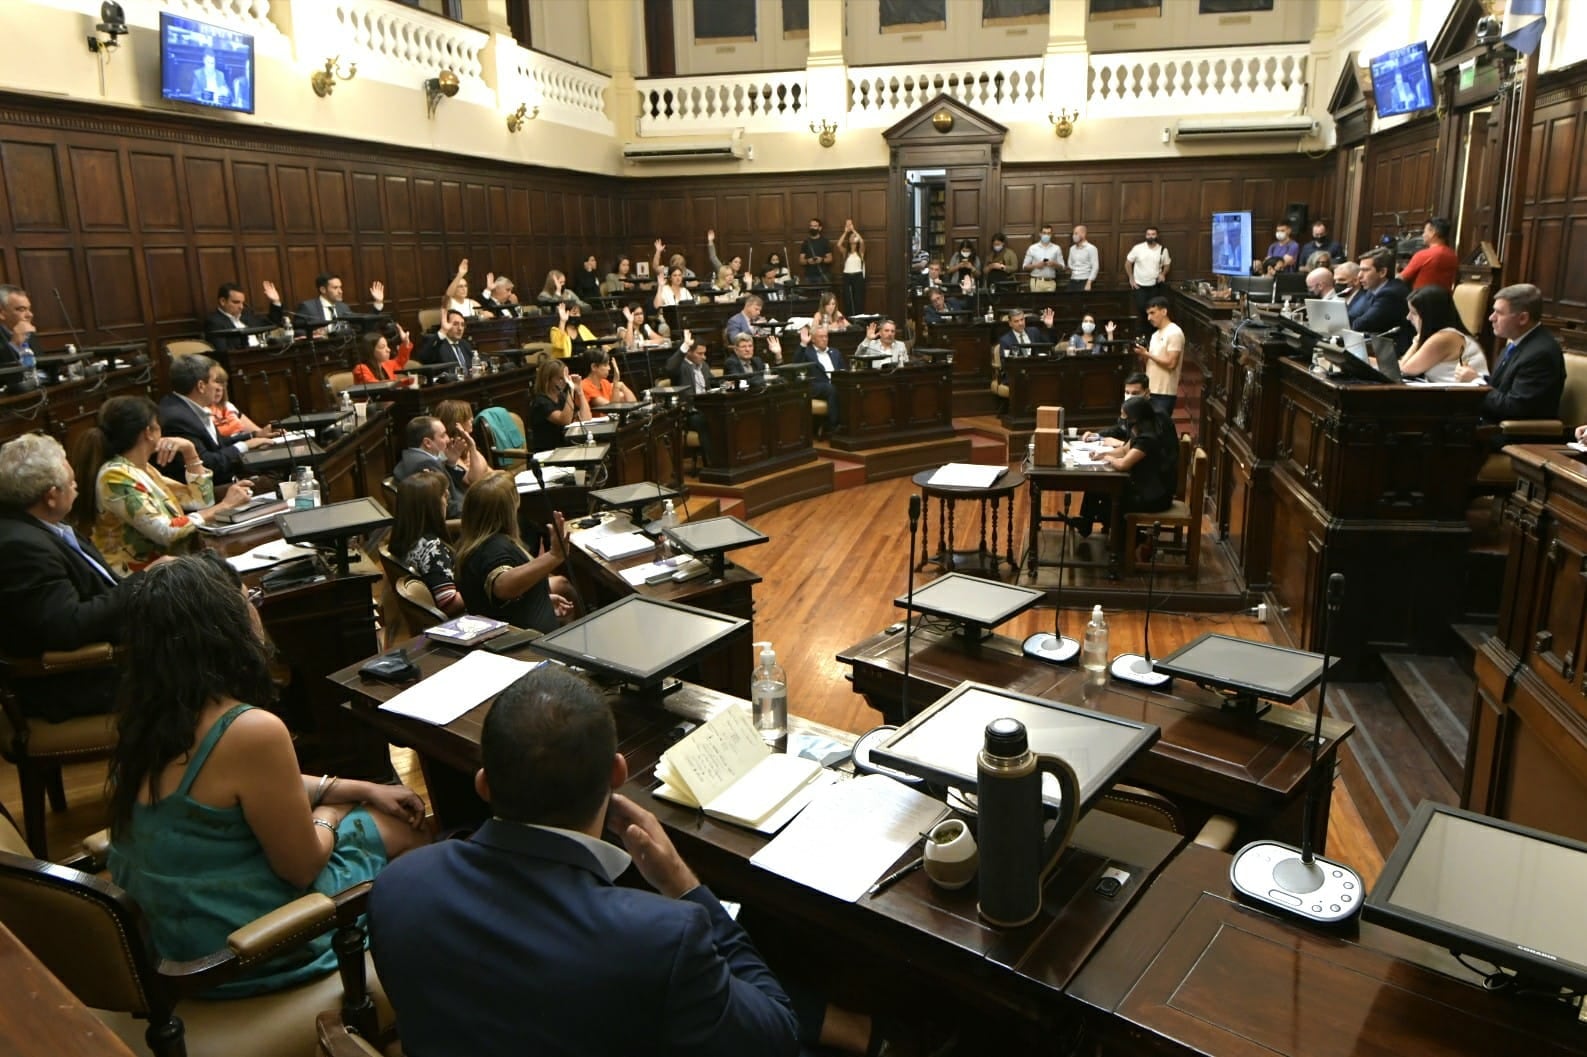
pixel 902 405
pixel 751 432
pixel 39 1015
pixel 510 389
pixel 263 379
pixel 1082 479
pixel 1089 388
pixel 1191 971
pixel 1207 760
pixel 67 410
pixel 357 463
pixel 945 557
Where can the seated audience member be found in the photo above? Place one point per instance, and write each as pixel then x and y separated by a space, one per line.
pixel 817 350
pixel 376 362
pixel 620 280
pixel 929 277
pixel 569 332
pixel 687 368
pixel 742 361
pixel 138 514
pixel 587 280
pixel 1380 309
pixel 1317 260
pixel 184 415
pixel 531 903
pixel 1020 336
pixel 1001 264
pixel 1321 243
pixel 326 306
pixel 1136 384
pixel 635 331
pixel 1435 264
pixel 231 315
pixel 676 260
pixel 775 262
pixel 767 287
pixel 418 537
pixel 1147 456
pixel 497 575
pixel 16 323
pixel 1530 376
pixel 1347 280
pixel 457 416
pixel 882 337
pixel 1320 284
pixel 1085 339
pixel 558 403
pixel 556 291
pixel 604 384
pixel 744 321
pixel 57 591
pixel 456 298
pixel 500 296
pixel 1442 342
pixel 734 263
pixel 1282 255
pixel 827 313
pixel 726 285
pixel 230 422
pixel 212 823
pixel 673 291
pixel 448 346
pixel 937 310
pixel 430 448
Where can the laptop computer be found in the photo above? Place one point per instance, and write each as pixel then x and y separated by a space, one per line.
pixel 1329 318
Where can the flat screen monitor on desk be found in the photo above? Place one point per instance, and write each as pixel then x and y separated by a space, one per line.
pixel 632 497
pixel 713 538
pixel 639 640
pixel 1254 287
pixel 279 457
pixel 974 604
pixel 334 523
pixel 940 744
pixel 1245 671
pixel 1488 889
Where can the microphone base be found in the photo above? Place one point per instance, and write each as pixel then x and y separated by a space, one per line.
pixel 1276 875
pixel 1136 670
pixel 1054 649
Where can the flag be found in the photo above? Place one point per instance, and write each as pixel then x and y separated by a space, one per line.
pixel 1523 25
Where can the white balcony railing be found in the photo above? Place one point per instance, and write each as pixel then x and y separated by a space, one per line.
pixel 251 15
pixel 755 102
pixel 880 95
pixel 565 93
pixel 1224 81
pixel 395 39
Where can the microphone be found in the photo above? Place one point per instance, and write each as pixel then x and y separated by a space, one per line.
pixel 292 461
pixel 909 605
pixel 1137 667
pixel 77 337
pixel 1056 648
pixel 1297 880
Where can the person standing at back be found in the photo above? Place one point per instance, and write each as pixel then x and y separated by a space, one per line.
pixel 1435 264
pixel 1164 356
pixel 1146 266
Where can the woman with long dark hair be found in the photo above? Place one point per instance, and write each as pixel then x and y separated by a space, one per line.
pixel 133 512
pixel 212 824
pixel 376 361
pixel 557 403
pixel 1148 456
pixel 418 537
pixel 498 576
pixel 1442 341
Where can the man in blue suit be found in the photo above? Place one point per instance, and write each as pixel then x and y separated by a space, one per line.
pixel 1381 308
pixel 1529 378
pixel 517 941
pixel 816 350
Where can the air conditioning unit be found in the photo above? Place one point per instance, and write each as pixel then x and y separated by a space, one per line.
pixel 1258 128
pixel 677 150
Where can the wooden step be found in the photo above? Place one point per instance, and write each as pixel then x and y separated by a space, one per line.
pixel 1468 640
pixel 988 451
pixel 1384 765
pixel 772 490
pixel 846 474
pixel 901 460
pixel 699 507
pixel 1435 696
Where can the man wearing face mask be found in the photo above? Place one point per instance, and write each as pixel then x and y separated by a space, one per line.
pixel 1146 266
pixel 1083 262
pixel 1001 264
pixel 1042 261
pixel 815 253
pixel 1284 250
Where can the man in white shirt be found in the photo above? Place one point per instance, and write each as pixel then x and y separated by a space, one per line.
pixel 882 337
pixel 1164 356
pixel 1084 265
pixel 1320 284
pixel 1042 261
pixel 184 412
pixel 231 315
pixel 1146 266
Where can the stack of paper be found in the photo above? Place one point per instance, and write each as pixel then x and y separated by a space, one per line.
pixel 267 554
pixel 448 694
pixel 966 475
pixel 625 545
pixel 728 771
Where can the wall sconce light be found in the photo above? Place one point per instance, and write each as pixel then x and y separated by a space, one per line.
pixel 443 85
pixel 520 117
pixel 324 81
pixel 1063 123
pixel 825 132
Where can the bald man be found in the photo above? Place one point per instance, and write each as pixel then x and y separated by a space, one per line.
pixel 1320 284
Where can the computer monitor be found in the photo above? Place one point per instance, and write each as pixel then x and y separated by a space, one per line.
pixel 1289 284
pixel 1245 671
pixel 1231 243
pixel 1402 81
pixel 333 523
pixel 974 604
pixel 1488 889
pixel 639 640
pixel 713 537
pixel 941 743
pixel 1328 318
pixel 204 64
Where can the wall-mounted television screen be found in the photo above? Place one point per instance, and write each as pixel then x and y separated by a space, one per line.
pixel 1402 81
pixel 1231 244
pixel 205 64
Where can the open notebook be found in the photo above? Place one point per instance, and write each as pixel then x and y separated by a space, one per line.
pixel 726 769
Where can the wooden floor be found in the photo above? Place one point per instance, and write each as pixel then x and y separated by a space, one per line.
pixel 831 571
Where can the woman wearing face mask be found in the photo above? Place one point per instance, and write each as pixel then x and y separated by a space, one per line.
pixel 1085 339
pixel 1001 264
pixel 775 260
pixel 964 264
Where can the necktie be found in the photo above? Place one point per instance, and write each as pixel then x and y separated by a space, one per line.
pixel 75 544
pixel 1504 357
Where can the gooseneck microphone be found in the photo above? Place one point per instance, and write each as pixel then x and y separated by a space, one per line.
pixel 1056 648
pixel 292 460
pixel 77 336
pixel 909 603
pixel 1137 667
pixel 1297 880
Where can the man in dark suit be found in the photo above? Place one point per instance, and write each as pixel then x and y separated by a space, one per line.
pixel 528 904
pixel 56 589
pixel 1380 308
pixel 16 323
pixel 744 322
pixel 1529 378
pixel 817 350
pixel 447 346
pixel 327 306
pixel 687 368
pixel 231 315
pixel 429 448
pixel 1019 338
pixel 184 412
pixel 742 361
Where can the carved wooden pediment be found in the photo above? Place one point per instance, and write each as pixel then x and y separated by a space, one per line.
pixel 944 120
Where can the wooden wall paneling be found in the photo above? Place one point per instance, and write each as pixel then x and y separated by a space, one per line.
pixel 304 264
pixel 173 288
pixel 34 188
pixel 113 287
pixel 100 189
pixel 1096 203
pixel 367 213
pixel 331 193
pixel 1136 203
pixel 340 260
pixel 802 205
pixel 836 207
pixel 476 207
pixel 256 203
pixel 427 206
pixel 399 205
pixel 42 270
pixel 735 218
pixel 871 217
pixel 219 264
pixel 771 217
pixel 497 203
pixel 452 207
pixel 1217 196
pixel 1019 206
pixel 518 211
pixel 297 200
pixel 1057 207
pixel 155 191
pixel 1176 201
pixel 208 197
pixel 262 264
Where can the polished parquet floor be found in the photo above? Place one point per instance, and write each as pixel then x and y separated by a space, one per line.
pixel 830 572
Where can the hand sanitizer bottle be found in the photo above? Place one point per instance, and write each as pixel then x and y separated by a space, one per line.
pixel 1094 654
pixel 769 695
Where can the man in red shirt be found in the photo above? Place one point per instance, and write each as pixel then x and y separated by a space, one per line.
pixel 1436 264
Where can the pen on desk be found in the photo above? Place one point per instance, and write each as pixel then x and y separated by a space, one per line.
pixel 896 876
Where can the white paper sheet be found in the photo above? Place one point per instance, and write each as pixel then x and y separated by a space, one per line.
pixel 625 545
pixel 966 475
pixel 448 694
pixel 267 554
pixel 849 833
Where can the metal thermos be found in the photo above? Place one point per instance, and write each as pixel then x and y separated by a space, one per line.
pixel 1016 858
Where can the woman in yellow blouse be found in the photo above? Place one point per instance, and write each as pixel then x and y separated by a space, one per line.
pixel 135 513
pixel 567 331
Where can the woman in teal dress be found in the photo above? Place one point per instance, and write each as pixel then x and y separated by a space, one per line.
pixel 212 824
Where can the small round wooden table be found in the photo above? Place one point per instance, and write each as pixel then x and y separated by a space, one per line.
pixel 982 561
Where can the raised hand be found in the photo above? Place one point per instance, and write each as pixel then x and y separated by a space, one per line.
pixel 661 247
pixel 710 234
pixel 562 312
pixel 490 280
pixel 462 268
pixel 1046 317
pixel 402 335
pixel 870 331
pixel 377 291
pixel 1111 327
pixel 271 293
pixel 688 341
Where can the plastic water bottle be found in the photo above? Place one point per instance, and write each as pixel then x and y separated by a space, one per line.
pixel 1030 455
pixel 346 403
pixel 30 366
pixel 669 520
pixel 769 696
pixel 1094 654
pixel 308 494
